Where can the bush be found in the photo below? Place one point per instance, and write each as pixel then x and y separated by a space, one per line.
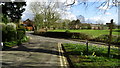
pixel 66 34
pixel 81 36
pixel 3 26
pixel 67 31
pixel 11 35
pixel 4 32
pixel 11 26
pixel 105 39
pixel 11 32
pixel 8 32
pixel 20 33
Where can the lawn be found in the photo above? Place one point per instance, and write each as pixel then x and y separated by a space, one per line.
pixel 97 56
pixel 94 33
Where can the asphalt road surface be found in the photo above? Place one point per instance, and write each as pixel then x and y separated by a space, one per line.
pixel 39 52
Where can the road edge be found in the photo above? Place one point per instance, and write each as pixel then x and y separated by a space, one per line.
pixel 63 59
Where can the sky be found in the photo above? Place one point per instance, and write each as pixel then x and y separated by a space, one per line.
pixel 91 13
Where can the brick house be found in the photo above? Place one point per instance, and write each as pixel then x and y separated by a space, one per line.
pixel 28 24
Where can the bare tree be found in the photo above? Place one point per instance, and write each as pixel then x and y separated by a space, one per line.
pixel 46 12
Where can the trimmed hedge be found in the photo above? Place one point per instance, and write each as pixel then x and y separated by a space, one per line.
pixel 80 36
pixel 66 34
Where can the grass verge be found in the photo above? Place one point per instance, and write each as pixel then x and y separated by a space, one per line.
pixel 97 56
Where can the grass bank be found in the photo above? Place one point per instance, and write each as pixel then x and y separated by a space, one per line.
pixel 97 56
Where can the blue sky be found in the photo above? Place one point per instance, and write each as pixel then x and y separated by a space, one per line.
pixel 90 13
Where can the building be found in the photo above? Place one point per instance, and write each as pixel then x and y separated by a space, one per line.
pixel 28 24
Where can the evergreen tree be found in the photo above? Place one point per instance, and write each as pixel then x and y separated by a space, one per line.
pixel 12 11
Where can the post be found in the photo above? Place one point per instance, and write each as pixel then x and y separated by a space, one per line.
pixel 110 37
pixel 87 46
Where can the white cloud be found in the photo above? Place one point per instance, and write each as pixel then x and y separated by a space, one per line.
pixel 65 14
pixel 107 13
pixel 27 15
pixel 105 19
pixel 68 15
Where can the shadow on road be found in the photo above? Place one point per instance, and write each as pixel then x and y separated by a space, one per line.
pixel 23 48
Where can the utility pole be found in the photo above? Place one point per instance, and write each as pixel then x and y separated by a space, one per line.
pixel 110 36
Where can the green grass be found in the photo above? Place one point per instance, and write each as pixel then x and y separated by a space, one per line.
pixel 100 50
pixel 14 43
pixel 94 33
pixel 97 55
pixel 93 62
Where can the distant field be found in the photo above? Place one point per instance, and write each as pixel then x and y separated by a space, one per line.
pixel 94 33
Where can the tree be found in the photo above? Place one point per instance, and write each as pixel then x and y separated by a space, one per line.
pixel 12 11
pixel 74 24
pixel 81 18
pixel 47 10
pixel 38 21
pixel 65 23
pixel 103 3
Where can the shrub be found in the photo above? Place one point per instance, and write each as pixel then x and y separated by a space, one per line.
pixel 81 36
pixel 11 26
pixel 40 31
pixel 20 33
pixel 4 32
pixel 67 31
pixel 11 35
pixel 105 38
pixel 11 32
pixel 8 32
pixel 3 26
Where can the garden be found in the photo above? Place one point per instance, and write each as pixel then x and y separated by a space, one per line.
pixel 12 35
pixel 96 56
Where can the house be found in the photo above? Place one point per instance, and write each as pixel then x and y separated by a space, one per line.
pixel 97 26
pixel 28 24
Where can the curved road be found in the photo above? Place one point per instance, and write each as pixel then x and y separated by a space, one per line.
pixel 39 52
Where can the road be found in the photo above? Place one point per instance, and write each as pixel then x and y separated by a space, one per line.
pixel 39 52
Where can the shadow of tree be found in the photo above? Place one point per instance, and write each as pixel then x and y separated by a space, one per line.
pixel 23 48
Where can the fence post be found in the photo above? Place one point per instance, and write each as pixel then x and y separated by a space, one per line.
pixel 87 46
pixel 110 36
